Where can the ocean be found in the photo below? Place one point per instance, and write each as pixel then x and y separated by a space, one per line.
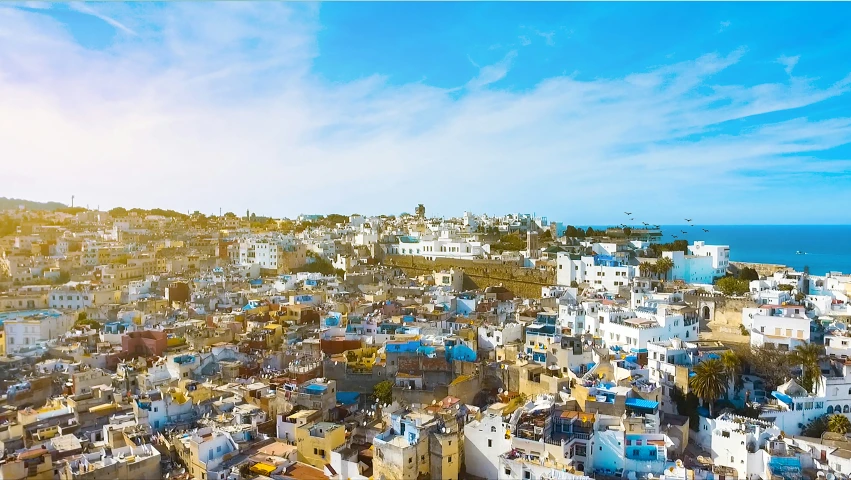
pixel 827 247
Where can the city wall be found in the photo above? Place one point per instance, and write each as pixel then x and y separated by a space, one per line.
pixel 480 274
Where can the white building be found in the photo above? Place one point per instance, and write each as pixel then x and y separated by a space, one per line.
pixel 720 255
pixel 780 326
pixel 26 329
pixel 733 441
pixel 484 441
pixel 631 330
pixel 602 272
pixel 80 296
pixel 444 245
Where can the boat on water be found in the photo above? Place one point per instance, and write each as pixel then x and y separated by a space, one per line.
pixel 800 253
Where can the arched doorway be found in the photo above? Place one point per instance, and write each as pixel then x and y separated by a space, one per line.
pixel 706 312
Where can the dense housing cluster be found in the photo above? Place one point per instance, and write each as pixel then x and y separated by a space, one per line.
pixel 145 344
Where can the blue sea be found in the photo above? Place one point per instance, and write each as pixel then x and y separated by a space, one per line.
pixel 827 247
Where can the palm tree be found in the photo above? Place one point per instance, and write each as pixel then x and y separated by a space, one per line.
pixel 732 369
pixel 809 356
pixel 838 423
pixel 646 268
pixel 663 266
pixel 709 381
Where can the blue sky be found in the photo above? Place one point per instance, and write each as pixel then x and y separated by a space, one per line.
pixel 722 112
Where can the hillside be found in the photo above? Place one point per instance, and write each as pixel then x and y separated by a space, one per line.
pixel 13 203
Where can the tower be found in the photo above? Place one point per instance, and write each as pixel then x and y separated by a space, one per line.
pixel 532 243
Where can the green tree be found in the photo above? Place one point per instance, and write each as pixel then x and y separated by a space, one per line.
pixel 574 284
pixel 627 232
pixel 118 212
pixel 709 382
pixel 420 210
pixel 383 392
pixel 816 427
pixel 838 423
pixel 785 288
pixel 646 269
pixel 732 368
pixel 732 286
pixel 809 356
pixel 664 265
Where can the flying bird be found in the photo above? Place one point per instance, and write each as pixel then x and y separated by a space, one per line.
pixel 688 220
pixel 632 219
pixel 705 230
pixel 628 213
pixel 685 232
pixel 674 236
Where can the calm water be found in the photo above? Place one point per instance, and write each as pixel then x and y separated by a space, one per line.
pixel 827 247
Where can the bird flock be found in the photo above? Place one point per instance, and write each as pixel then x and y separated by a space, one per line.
pixel 683 232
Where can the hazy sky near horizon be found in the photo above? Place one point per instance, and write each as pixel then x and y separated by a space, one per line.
pixel 720 112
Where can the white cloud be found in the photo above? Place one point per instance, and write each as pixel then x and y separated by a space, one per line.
pixel 492 73
pixel 724 26
pixel 524 40
pixel 549 37
pixel 183 117
pixel 788 62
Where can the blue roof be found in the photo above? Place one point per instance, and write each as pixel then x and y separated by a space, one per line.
pixel 641 403
pixel 460 352
pixel 315 389
pixel 347 398
pixel 47 312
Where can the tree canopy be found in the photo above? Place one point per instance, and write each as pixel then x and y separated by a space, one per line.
pixel 509 242
pixel 732 286
pixel 709 382
pixel 383 392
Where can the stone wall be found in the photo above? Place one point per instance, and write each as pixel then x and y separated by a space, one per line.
pixel 764 269
pixel 480 274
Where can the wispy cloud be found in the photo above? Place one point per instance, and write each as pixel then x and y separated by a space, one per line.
pixel 788 62
pixel 219 106
pixel 724 25
pixel 84 8
pixel 524 40
pixel 549 37
pixel 492 73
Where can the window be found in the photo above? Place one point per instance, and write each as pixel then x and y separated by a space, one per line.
pixel 490 442
pixel 450 459
pixel 493 429
pixel 410 459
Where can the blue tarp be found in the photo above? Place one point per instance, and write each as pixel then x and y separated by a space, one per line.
pixel 641 403
pixel 347 398
pixel 782 397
